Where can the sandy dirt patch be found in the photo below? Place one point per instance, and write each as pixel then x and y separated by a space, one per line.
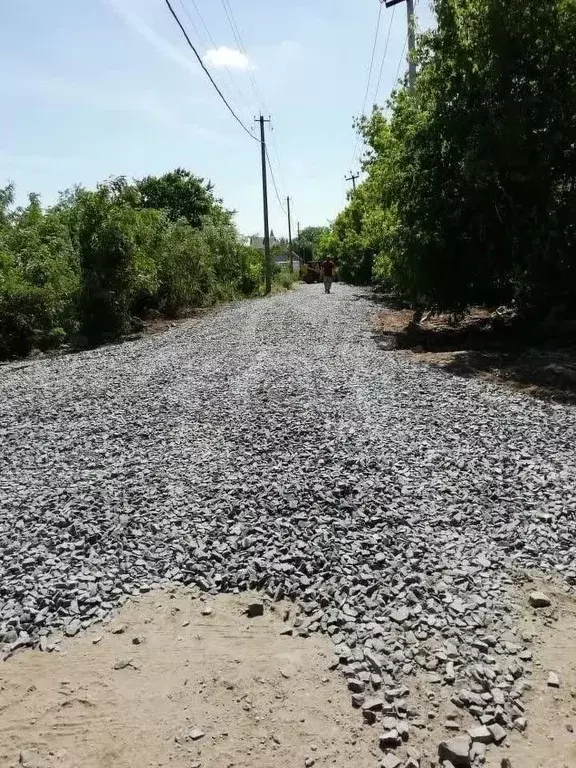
pixel 139 691
pixel 260 698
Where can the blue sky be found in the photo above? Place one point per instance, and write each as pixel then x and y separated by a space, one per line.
pixel 94 88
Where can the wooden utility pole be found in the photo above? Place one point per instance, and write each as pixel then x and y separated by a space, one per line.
pixel 352 178
pixel 267 257
pixel 411 37
pixel 290 236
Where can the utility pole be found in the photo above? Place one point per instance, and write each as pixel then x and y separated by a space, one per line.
pixel 290 236
pixel 352 178
pixel 411 38
pixel 267 258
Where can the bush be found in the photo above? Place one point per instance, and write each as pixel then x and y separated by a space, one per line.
pixel 252 270
pixel 25 319
pixel 99 259
pixel 107 266
pixel 284 279
pixel 38 279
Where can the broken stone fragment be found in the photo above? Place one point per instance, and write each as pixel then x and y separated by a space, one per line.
pixel 254 610
pixel 456 751
pixel 72 628
pixel 482 734
pixel 389 739
pixel 520 723
pixel 356 686
pixel 391 761
pixel 498 733
pixel 539 600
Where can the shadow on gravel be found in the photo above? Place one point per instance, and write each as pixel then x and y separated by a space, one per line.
pixel 142 328
pixel 538 361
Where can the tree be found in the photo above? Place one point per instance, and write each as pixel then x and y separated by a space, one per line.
pixel 471 179
pixel 182 196
pixel 306 245
pixel 106 263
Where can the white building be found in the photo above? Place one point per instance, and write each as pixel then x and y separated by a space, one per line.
pixel 256 241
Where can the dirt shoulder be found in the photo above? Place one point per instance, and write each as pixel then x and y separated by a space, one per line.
pixel 179 681
pixel 542 367
pixel 259 697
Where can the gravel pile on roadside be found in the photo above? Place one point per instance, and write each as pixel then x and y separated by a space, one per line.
pixel 273 445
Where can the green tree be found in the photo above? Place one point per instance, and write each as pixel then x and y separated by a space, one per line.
pixel 182 196
pixel 306 245
pixel 471 179
pixel 39 277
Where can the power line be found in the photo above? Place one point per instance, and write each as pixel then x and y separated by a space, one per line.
pixel 280 203
pixel 370 70
pixel 277 153
pixel 190 19
pixel 238 38
pixel 212 42
pixel 372 59
pixel 203 22
pixel 401 57
pixel 384 55
pixel 207 71
pixel 257 92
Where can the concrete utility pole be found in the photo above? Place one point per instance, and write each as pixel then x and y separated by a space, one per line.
pixel 352 178
pixel 290 236
pixel 411 37
pixel 267 257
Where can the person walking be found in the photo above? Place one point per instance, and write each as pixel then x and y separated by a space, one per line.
pixel 328 272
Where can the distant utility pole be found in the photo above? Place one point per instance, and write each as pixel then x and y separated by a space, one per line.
pixel 267 257
pixel 290 236
pixel 352 178
pixel 411 38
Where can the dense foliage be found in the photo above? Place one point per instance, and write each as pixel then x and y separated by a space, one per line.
pixel 307 244
pixel 86 267
pixel 470 190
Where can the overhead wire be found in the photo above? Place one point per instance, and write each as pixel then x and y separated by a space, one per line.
pixel 190 19
pixel 261 103
pixel 373 58
pixel 277 153
pixel 239 42
pixel 280 202
pixel 207 71
pixel 404 49
pixel 212 42
pixel 379 83
pixel 238 39
pixel 401 58
pixel 369 79
pixel 203 22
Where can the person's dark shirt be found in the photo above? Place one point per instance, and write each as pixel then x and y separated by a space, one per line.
pixel 328 267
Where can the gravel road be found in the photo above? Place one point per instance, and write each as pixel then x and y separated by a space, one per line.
pixel 272 444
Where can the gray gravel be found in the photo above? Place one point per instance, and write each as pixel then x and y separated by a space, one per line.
pixel 273 445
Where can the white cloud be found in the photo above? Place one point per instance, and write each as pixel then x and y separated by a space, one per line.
pixel 228 58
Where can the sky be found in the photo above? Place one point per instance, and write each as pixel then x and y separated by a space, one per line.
pixel 98 88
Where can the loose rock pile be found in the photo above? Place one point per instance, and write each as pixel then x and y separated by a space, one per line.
pixel 274 447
